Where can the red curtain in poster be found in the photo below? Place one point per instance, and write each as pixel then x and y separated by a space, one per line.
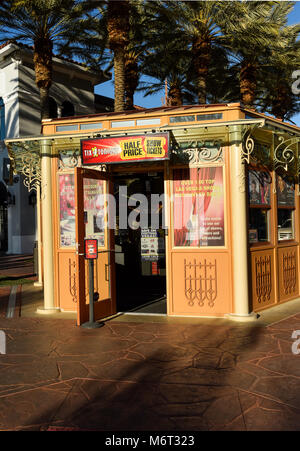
pixel 198 207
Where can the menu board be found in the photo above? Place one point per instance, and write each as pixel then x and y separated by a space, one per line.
pixel 67 210
pixel 259 188
pixel 198 207
pixel 285 192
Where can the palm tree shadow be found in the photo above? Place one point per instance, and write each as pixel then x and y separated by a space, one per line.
pixel 156 394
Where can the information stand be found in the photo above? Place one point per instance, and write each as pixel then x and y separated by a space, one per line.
pixel 91 254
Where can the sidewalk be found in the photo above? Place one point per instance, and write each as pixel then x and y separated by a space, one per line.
pixel 151 373
pixel 14 270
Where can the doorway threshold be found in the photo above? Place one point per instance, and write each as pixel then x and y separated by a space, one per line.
pixel 157 307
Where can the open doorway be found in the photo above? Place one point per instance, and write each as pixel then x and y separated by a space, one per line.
pixel 140 249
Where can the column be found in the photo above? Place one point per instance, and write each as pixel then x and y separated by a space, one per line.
pixel 239 229
pixel 39 283
pixel 47 228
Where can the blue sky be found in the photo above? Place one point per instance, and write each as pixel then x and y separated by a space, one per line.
pixel 156 100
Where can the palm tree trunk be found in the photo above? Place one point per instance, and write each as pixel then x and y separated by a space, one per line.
pixel 44 102
pixel 42 59
pixel 174 95
pixel 282 102
pixel 248 84
pixel 118 37
pixel 131 79
pixel 119 70
pixel 201 55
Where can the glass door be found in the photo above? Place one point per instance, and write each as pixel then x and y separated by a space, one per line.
pixel 92 190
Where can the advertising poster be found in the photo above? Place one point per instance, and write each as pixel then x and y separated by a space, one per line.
pixel 122 149
pixel 152 245
pixel 67 210
pixel 285 193
pixel 259 188
pixel 94 210
pixel 198 207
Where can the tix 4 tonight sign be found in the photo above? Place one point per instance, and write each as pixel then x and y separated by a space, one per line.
pixel 124 149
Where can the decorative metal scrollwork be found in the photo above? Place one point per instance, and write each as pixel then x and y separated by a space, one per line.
pixel 284 155
pixel 247 146
pixel 200 279
pixel 68 158
pixel 97 167
pixel 25 159
pixel 248 143
pixel 196 153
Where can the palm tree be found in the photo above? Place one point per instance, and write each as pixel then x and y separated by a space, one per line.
pixel 43 24
pixel 168 62
pixel 118 38
pixel 251 34
pixel 200 24
pixel 277 96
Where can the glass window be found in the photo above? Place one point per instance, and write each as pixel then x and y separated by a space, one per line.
pixel 209 117
pixel 258 225
pixel 66 128
pixel 285 224
pixel 285 190
pixel 146 122
pixel 116 124
pixel 67 109
pixel 182 119
pixel 91 126
pixel 94 209
pixel 259 188
pixel 198 209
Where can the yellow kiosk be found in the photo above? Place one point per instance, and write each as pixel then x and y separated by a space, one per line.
pixel 220 184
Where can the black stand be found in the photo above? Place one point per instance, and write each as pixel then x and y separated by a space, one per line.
pixel 91 324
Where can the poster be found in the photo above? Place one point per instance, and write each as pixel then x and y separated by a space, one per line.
pixel 285 193
pixel 122 149
pixel 253 236
pixel 94 210
pixel 198 207
pixel 152 245
pixel 67 210
pixel 259 188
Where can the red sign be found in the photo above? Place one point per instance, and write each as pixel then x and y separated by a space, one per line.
pixel 122 149
pixel 91 248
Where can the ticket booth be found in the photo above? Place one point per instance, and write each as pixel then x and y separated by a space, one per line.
pixel 170 196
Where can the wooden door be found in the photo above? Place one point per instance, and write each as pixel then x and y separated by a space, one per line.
pixel 92 221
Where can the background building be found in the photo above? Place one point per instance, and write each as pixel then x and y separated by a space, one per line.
pixel 72 93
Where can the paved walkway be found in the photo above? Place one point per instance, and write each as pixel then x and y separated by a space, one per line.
pixel 12 269
pixel 135 374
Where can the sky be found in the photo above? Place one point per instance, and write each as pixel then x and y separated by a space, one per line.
pixel 157 100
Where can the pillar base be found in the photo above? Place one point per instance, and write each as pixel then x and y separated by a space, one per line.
pixel 47 311
pixel 242 318
pixel 38 284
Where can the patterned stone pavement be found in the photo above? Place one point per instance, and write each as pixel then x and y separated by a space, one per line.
pixel 163 376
